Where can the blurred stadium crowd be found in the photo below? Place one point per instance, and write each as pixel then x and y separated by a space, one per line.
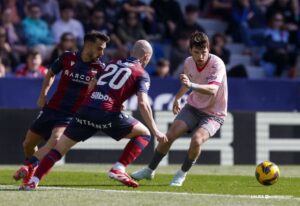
pixel 255 38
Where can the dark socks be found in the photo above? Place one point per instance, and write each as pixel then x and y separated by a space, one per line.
pixel 187 164
pixel 157 157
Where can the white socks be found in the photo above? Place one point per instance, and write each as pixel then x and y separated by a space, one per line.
pixel 119 166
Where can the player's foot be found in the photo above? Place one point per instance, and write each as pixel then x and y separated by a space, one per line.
pixel 145 173
pixel 21 173
pixel 31 171
pixel 29 186
pixel 122 177
pixel 178 179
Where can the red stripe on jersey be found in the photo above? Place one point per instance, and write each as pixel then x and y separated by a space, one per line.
pixel 79 99
pixel 215 82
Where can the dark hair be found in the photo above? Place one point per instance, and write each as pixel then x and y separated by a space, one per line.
pixel 162 62
pixel 93 36
pixel 33 5
pixel 65 6
pixel 33 52
pixel 65 35
pixel 199 39
pixel 218 35
pixel 191 8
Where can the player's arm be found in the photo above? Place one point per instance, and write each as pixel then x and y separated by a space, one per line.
pixel 146 112
pixel 176 104
pixel 47 83
pixel 208 89
pixel 55 68
pixel 92 84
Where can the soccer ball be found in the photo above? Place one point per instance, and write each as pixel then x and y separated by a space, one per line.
pixel 267 173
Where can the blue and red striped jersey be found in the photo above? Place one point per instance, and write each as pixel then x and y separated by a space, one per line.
pixel 73 84
pixel 118 81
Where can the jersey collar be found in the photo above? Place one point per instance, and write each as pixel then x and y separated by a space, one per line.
pixel 200 69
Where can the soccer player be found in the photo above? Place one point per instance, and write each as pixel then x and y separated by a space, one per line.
pixel 101 110
pixel 77 70
pixel 204 113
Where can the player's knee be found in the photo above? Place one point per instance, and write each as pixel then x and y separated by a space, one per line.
pixel 198 139
pixel 145 132
pixel 171 136
pixel 26 144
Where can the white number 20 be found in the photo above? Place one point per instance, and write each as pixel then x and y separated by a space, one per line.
pixel 121 75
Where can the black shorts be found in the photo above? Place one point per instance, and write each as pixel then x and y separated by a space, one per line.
pixel 48 119
pixel 88 121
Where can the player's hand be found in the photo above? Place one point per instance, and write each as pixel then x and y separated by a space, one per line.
pixel 176 106
pixel 161 137
pixel 123 107
pixel 41 101
pixel 92 85
pixel 185 80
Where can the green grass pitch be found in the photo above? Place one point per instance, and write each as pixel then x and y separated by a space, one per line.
pixel 205 185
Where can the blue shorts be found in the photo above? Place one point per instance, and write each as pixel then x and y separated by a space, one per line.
pixel 48 119
pixel 88 121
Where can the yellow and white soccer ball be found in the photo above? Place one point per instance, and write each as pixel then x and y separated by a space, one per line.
pixel 267 173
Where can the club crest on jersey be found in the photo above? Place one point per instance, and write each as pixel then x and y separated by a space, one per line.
pixel 77 77
pixel 72 63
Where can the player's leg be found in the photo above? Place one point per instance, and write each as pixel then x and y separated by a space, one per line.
pixel 74 133
pixel 30 143
pixel 177 129
pixel 62 147
pixel 39 130
pixel 51 142
pixel 29 146
pixel 139 138
pixel 41 152
pixel 199 137
pixel 207 127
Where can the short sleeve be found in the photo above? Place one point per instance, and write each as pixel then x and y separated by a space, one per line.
pixel 57 65
pixel 216 76
pixel 143 83
pixel 185 66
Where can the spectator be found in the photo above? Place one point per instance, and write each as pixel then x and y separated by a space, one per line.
pixel 112 10
pixel 241 13
pixel 190 24
pixel 67 43
pixel 218 47
pixel 7 56
pixel 162 68
pixel 277 58
pixel 98 23
pixel 17 9
pixel 68 24
pixel 221 9
pixel 168 13
pixel 49 9
pixel 179 51
pixel 12 34
pixel 259 7
pixel 147 16
pixel 80 9
pixel 138 7
pixel 35 29
pixel 33 67
pixel 131 29
pixel 290 10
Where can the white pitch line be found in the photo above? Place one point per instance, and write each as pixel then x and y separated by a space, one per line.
pixel 278 197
